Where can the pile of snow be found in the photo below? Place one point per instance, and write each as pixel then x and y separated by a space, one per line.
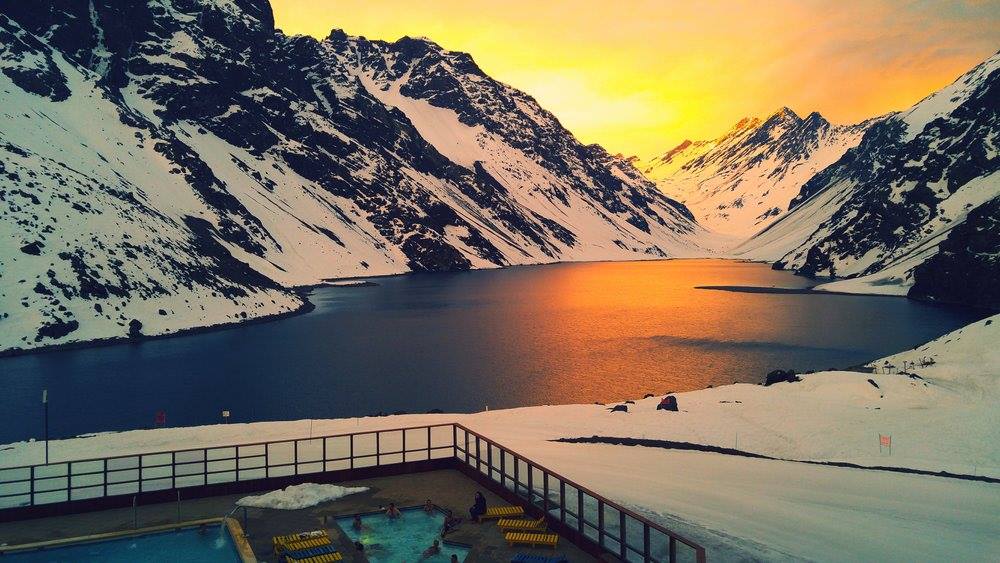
pixel 296 497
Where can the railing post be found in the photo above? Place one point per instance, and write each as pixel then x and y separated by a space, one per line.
pixel 324 454
pixel 267 460
pixel 479 456
pixel 646 555
pixel 237 464
pixel 579 511
pixel 489 460
pixel 378 447
pixel 517 474
pixel 531 488
pixel 351 453
pixel 295 456
pixel 600 522
pixel 140 473
pixel 622 540
pixel 673 549
pixel 173 471
pixel 429 443
pixel 503 468
pixel 31 482
pixel 545 492
pixel 562 501
pixel 404 446
pixel 105 471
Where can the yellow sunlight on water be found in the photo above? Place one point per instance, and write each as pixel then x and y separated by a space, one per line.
pixel 641 76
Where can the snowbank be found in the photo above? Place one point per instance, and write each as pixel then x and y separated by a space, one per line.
pixel 295 497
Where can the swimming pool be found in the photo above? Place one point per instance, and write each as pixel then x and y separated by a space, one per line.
pixel 210 544
pixel 402 539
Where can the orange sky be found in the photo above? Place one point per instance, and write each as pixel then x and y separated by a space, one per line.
pixel 639 76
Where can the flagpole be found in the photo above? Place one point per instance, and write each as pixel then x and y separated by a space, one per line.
pixel 45 402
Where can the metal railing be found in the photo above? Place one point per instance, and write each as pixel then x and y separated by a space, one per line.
pixel 614 528
pixel 575 509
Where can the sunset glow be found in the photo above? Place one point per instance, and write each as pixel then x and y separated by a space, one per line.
pixel 641 76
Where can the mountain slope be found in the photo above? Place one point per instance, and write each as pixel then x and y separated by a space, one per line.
pixel 168 164
pixel 741 182
pixel 884 208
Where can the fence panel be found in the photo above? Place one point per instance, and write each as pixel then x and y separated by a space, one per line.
pixel 610 527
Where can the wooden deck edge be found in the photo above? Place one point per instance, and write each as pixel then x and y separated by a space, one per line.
pixel 240 541
pixel 106 536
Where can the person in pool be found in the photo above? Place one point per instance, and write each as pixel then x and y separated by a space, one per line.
pixel 392 511
pixel 431 551
pixel 428 506
pixel 451 522
pixel 479 507
pixel 454 558
pixel 357 524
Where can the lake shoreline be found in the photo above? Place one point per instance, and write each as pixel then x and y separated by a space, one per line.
pixel 307 306
pixel 783 290
pixel 303 292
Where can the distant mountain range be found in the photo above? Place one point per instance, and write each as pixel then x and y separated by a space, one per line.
pixel 912 209
pixel 901 204
pixel 176 164
pixel 744 180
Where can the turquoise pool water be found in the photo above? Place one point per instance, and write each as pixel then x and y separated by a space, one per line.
pixel 402 539
pixel 189 545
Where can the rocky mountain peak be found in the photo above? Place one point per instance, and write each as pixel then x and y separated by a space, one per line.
pixel 180 163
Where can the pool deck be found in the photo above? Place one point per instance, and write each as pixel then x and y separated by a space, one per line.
pixel 448 489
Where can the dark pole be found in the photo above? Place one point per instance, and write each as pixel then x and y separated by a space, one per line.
pixel 45 402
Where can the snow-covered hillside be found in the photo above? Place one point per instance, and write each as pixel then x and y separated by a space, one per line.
pixel 912 209
pixel 741 182
pixel 946 417
pixel 170 164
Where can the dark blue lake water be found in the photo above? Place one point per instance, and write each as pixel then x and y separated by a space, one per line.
pixel 570 333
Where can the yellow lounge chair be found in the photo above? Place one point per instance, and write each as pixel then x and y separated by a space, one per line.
pixel 532 539
pixel 501 512
pixel 302 540
pixel 512 525
pixel 307 543
pixel 325 558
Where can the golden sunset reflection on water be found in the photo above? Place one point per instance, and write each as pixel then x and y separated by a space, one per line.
pixel 459 342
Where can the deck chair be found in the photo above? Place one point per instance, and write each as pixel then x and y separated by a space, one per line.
pixel 525 558
pixel 501 512
pixel 531 538
pixel 515 525
pixel 301 540
pixel 313 555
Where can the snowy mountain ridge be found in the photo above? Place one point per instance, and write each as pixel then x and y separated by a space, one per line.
pixel 912 209
pixel 170 164
pixel 742 181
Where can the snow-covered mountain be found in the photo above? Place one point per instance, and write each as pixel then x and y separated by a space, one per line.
pixel 912 209
pixel 168 164
pixel 742 181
